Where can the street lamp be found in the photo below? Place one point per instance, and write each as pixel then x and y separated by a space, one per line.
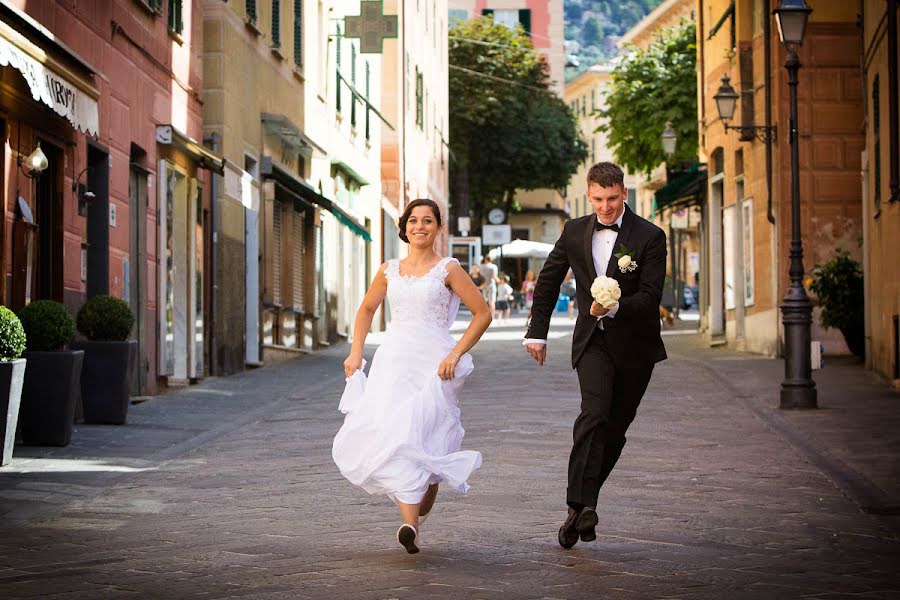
pixel 798 390
pixel 669 139
pixel 36 162
pixel 726 101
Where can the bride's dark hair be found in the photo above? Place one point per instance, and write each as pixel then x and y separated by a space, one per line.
pixel 409 208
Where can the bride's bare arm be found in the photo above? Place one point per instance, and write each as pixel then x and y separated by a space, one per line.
pixel 460 282
pixel 371 301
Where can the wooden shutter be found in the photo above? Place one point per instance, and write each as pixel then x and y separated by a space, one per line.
pixel 276 23
pixel 276 252
pixel 298 33
pixel 525 20
pixel 299 258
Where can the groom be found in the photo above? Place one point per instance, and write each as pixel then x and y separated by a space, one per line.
pixel 613 349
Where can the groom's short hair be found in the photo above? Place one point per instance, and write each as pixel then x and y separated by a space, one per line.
pixel 606 174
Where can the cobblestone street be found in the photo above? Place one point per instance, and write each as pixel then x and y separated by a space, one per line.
pixel 227 489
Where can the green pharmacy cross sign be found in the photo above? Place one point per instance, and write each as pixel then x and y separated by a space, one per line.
pixel 371 26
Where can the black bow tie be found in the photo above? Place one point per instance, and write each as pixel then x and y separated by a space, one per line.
pixel 600 226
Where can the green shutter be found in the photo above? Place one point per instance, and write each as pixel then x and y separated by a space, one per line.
pixel 276 23
pixel 525 20
pixel 298 33
pixel 250 7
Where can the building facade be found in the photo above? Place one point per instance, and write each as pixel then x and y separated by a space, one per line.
pixel 880 182
pixel 112 92
pixel 748 208
pixel 415 101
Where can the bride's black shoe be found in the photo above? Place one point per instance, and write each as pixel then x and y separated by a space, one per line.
pixel 585 524
pixel 408 536
pixel 568 534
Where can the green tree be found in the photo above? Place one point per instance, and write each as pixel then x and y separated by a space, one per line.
pixel 592 32
pixel 647 89
pixel 508 131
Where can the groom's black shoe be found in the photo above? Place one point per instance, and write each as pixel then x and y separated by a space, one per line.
pixel 568 533
pixel 585 524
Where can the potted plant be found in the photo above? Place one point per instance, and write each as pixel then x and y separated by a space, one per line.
pixel 839 285
pixel 52 375
pixel 12 373
pixel 109 359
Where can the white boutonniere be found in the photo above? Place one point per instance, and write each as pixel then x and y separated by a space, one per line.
pixel 627 264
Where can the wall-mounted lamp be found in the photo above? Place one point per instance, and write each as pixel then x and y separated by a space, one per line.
pixel 36 163
pixel 669 139
pixel 84 195
pixel 726 101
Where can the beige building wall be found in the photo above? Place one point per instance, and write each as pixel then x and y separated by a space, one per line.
pixel 747 267
pixel 667 14
pixel 880 211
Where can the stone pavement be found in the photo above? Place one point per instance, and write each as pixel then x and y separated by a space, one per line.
pixel 227 489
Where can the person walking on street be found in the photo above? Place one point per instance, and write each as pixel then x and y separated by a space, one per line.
pixel 614 349
pixel 528 291
pixel 504 297
pixel 489 272
pixel 402 434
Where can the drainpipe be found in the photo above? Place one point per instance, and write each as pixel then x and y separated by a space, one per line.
pixel 212 140
pixel 893 100
pixel 767 59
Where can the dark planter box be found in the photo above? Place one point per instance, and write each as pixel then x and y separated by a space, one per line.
pixel 106 380
pixel 52 386
pixel 12 374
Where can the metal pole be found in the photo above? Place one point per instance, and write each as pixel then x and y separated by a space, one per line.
pixel 798 390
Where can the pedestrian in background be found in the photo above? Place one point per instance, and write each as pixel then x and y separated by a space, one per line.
pixel 567 289
pixel 490 272
pixel 527 290
pixel 504 297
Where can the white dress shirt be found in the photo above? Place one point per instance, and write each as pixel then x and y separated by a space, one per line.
pixel 602 246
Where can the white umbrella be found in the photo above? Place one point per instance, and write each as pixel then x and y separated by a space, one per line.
pixel 522 249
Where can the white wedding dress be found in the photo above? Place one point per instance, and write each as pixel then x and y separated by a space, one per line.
pixel 402 431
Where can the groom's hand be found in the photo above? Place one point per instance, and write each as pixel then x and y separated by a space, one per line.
pixel 597 309
pixel 538 352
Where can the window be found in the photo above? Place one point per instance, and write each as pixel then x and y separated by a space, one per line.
pixel 250 8
pixel 176 24
pixel 456 14
pixel 251 166
pixel 298 33
pixel 511 18
pixel 368 91
pixel 353 81
pixel 593 150
pixel 155 6
pixel 593 100
pixel 420 91
pixel 337 57
pixel 276 23
pixel 747 224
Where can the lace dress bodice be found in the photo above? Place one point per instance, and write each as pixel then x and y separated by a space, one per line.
pixel 421 300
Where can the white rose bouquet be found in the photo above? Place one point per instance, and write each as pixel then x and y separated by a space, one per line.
pixel 605 290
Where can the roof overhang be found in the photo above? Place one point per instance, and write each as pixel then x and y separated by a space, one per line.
pixel 169 135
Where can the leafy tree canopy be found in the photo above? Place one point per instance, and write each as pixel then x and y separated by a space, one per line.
pixel 508 131
pixel 647 89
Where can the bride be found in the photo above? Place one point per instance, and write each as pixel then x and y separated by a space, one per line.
pixel 402 434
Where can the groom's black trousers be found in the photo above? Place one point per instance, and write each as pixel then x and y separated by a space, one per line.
pixel 609 400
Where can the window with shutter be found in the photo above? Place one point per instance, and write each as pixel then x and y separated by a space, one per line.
pixel 250 7
pixel 299 256
pixel 420 91
pixel 176 23
pixel 276 252
pixel 298 33
pixel 525 20
pixel 276 23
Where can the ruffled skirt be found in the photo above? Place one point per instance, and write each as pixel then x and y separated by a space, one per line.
pixel 402 429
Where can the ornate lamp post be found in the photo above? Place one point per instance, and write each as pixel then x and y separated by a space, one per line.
pixel 669 139
pixel 798 390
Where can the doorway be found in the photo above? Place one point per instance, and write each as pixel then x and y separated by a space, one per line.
pixel 48 209
pixel 137 266
pixel 98 222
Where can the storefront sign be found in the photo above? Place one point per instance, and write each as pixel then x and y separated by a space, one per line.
pixel 54 90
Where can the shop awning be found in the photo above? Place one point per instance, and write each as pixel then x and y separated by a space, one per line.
pixel 344 166
pixel 267 168
pixel 69 94
pixel 206 158
pixel 687 188
pixel 282 127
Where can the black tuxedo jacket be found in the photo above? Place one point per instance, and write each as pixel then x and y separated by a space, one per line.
pixel 633 335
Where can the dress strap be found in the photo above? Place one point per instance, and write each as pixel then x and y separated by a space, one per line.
pixel 442 266
pixel 393 268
